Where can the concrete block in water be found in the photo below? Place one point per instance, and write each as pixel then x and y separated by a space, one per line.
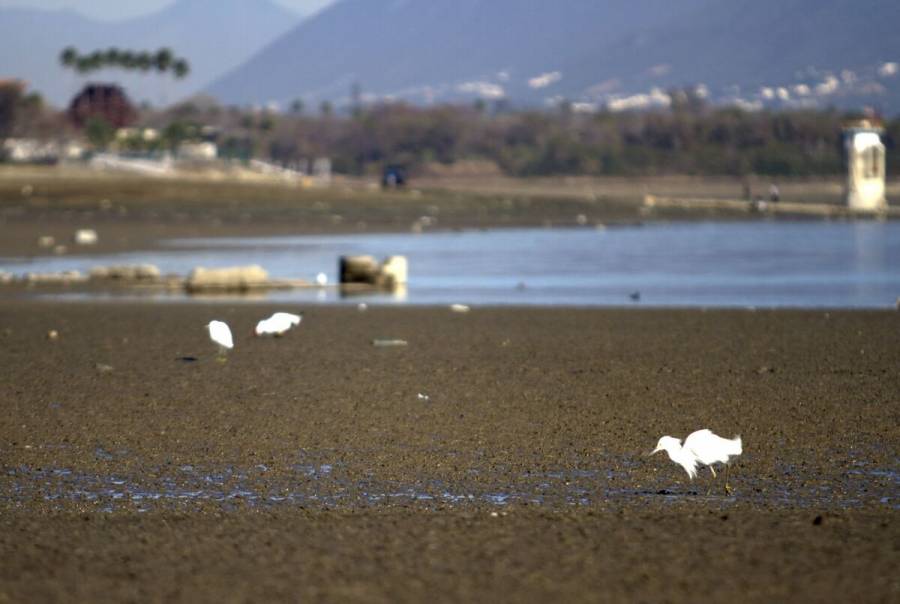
pixel 135 272
pixel 393 272
pixel 238 278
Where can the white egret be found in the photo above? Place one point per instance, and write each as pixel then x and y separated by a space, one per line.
pixel 220 334
pixel 321 279
pixel 278 324
pixel 701 448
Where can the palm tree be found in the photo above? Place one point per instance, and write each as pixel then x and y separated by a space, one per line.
pixel 144 61
pixel 69 60
pixel 181 68
pixel 163 60
pixel 83 65
pixel 127 60
pixel 68 57
pixel 97 59
pixel 112 57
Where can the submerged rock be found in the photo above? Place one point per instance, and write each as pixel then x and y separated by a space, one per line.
pixel 135 272
pixel 238 278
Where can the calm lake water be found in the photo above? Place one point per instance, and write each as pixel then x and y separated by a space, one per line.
pixel 713 264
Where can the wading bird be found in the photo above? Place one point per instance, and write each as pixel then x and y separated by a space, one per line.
pixel 220 334
pixel 278 324
pixel 701 448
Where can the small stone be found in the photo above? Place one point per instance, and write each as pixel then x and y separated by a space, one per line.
pixel 52 335
pixel 103 368
pixel 85 237
pixel 817 521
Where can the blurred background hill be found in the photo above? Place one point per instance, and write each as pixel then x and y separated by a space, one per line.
pixel 619 53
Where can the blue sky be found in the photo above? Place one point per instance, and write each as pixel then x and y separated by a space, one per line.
pixel 117 9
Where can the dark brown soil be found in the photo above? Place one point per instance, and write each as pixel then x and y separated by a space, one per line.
pixel 310 468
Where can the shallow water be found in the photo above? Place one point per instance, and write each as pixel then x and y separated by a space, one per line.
pixel 329 486
pixel 711 264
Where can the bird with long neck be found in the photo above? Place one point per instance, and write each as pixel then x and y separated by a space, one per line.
pixel 701 448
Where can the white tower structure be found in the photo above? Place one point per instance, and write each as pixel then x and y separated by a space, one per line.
pixel 865 166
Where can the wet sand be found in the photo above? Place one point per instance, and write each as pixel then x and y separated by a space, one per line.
pixel 134 466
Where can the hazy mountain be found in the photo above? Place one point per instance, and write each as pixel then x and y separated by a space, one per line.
pixel 788 52
pixel 424 47
pixel 214 35
pixel 591 51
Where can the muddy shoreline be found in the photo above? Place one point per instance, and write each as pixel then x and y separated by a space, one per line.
pixel 497 457
pixel 133 466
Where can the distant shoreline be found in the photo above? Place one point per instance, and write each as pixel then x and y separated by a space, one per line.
pixel 136 212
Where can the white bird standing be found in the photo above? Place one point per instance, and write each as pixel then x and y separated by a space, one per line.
pixel 701 448
pixel 278 324
pixel 220 334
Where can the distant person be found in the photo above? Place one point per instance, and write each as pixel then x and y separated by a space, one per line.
pixel 774 193
pixel 393 177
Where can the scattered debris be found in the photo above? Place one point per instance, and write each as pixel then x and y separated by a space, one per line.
pixel 85 237
pixel 62 278
pixel 187 359
pixel 103 368
pixel 423 397
pixel 386 343
pixel 135 272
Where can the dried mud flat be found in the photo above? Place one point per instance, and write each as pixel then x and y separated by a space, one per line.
pixel 496 457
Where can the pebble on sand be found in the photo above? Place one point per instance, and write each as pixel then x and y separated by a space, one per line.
pixel 86 237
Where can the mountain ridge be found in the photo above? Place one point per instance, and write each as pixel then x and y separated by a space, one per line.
pixel 593 53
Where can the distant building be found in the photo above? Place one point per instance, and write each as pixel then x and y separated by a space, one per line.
pixel 106 101
pixel 34 151
pixel 197 151
pixel 865 155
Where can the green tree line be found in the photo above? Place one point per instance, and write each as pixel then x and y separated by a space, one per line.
pixel 693 141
